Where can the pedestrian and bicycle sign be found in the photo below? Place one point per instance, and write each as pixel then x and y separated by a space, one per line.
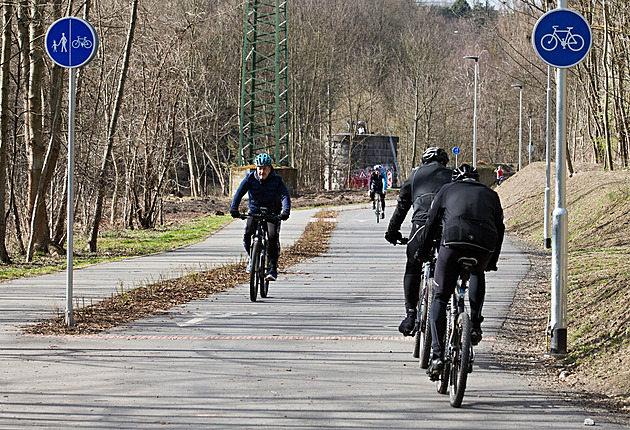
pixel 562 38
pixel 71 42
pixel 456 150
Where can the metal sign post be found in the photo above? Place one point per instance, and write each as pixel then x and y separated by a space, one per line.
pixel 71 43
pixel 561 38
pixel 456 151
pixel 546 233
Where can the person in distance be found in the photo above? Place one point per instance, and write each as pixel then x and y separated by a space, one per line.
pixel 378 185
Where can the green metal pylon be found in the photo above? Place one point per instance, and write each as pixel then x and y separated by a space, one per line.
pixel 264 110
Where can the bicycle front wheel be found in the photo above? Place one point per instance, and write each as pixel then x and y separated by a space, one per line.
pixel 264 284
pixel 424 332
pixel 461 360
pixel 254 275
pixel 378 208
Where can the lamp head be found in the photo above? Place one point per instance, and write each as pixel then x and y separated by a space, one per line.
pixel 517 86
pixel 471 57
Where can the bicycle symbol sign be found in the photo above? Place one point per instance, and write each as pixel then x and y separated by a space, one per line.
pixel 562 38
pixel 71 42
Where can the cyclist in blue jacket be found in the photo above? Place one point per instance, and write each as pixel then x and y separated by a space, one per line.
pixel 378 184
pixel 266 190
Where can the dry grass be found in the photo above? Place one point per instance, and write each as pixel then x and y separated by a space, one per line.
pixel 597 367
pixel 160 297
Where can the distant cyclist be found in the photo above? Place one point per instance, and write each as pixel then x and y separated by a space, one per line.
pixel 417 192
pixel 467 217
pixel 499 172
pixel 378 185
pixel 266 190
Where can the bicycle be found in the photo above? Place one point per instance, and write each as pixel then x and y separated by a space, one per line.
pixel 258 252
pixel 422 330
pixel 377 207
pixel 459 354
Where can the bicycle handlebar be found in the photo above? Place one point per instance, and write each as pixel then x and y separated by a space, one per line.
pixel 264 217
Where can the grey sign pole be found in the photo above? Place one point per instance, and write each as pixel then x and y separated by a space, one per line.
pixel 70 221
pixel 559 257
pixel 547 233
pixel 555 30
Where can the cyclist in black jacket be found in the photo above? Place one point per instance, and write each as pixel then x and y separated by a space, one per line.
pixel 469 218
pixel 417 191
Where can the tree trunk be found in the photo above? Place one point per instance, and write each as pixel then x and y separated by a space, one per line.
pixel 34 124
pixel 114 208
pixel 608 161
pixel 190 155
pixel 98 209
pixel 7 12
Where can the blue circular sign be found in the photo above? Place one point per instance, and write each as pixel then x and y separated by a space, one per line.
pixel 71 42
pixel 456 150
pixel 562 38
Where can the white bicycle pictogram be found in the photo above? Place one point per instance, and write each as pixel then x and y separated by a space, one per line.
pixel 82 41
pixel 574 42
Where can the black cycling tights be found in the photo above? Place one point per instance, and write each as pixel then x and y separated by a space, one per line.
pixel 413 269
pixel 273 229
pixel 445 281
pixel 373 196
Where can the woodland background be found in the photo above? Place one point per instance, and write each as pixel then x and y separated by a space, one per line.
pixel 157 108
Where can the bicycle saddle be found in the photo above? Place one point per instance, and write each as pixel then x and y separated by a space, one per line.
pixel 467 261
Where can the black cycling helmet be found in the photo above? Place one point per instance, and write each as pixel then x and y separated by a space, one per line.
pixel 435 154
pixel 465 171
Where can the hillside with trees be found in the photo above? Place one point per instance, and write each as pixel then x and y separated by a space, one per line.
pixel 157 109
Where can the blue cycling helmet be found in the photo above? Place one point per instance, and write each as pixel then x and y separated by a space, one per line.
pixel 262 160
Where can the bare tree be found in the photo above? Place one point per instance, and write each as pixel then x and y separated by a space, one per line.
pixel 5 70
pixel 111 130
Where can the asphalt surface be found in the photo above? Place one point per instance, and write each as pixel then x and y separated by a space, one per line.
pixel 322 351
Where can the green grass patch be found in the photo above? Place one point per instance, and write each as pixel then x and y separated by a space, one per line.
pixel 115 245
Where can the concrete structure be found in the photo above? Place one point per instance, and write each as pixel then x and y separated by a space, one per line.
pixel 355 155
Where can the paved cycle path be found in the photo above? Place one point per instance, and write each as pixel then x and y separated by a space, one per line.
pixel 41 297
pixel 322 351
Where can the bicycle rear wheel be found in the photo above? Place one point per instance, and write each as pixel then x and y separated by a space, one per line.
pixel 254 275
pixel 461 360
pixel 264 284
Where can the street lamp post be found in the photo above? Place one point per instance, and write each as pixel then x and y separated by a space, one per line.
pixel 520 123
pixel 530 149
pixel 474 157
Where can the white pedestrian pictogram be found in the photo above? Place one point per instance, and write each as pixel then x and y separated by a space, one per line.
pixel 62 42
